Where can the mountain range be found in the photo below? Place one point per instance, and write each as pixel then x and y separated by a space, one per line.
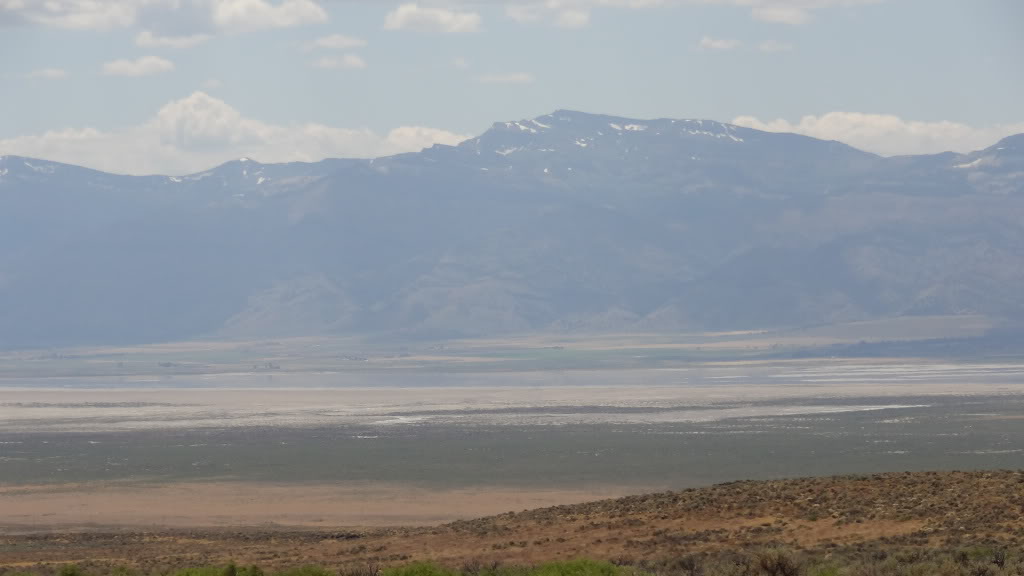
pixel 566 222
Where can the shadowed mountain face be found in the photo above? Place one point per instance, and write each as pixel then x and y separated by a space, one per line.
pixel 569 221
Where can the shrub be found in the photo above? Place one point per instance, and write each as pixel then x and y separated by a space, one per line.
pixel 202 571
pixel 305 571
pixel 779 563
pixel 361 570
pixel 824 570
pixel 417 569
pixel 578 568
pixel 688 565
pixel 70 570
pixel 999 557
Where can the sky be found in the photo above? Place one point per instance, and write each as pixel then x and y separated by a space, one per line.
pixel 179 86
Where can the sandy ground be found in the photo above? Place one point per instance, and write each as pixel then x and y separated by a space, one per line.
pixel 223 504
pixel 855 517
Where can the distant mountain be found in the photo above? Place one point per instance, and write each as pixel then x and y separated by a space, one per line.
pixel 569 221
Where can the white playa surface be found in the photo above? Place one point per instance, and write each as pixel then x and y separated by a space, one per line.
pixel 701 394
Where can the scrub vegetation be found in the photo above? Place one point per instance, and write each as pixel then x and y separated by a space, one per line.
pixel 898 524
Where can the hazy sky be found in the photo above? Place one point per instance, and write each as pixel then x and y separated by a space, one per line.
pixel 175 86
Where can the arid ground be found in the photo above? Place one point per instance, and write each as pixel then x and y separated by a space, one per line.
pixel 288 468
pixel 106 506
pixel 885 512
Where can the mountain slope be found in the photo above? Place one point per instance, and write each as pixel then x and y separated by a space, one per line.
pixel 569 221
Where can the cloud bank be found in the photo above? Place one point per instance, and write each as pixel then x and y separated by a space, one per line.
pixel 889 135
pixel 442 16
pixel 576 13
pixel 431 19
pixel 199 131
pixel 231 15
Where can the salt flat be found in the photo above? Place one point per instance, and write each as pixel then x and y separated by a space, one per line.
pixel 702 393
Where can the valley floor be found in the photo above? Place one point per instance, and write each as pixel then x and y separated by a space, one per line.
pixel 385 468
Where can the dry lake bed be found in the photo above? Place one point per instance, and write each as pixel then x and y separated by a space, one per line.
pixel 338 449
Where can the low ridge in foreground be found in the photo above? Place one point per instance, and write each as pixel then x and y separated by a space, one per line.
pixel 896 523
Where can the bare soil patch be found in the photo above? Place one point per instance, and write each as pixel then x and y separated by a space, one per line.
pixel 132 505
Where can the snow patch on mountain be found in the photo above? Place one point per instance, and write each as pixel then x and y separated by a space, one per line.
pixel 973 164
pixel 49 169
pixel 521 127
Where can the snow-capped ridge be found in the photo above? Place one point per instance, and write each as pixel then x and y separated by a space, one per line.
pixel 580 132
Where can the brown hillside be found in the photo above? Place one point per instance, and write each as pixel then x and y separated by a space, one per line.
pixel 822 515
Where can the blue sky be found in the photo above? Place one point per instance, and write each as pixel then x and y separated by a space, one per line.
pixel 176 86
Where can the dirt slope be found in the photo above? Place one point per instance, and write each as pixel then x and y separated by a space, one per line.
pixel 824 514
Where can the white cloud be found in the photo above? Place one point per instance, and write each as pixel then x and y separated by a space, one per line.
pixel 431 19
pixel 338 42
pixel 258 14
pixel 773 46
pixel 444 16
pixel 414 138
pixel 460 63
pixel 346 61
pixel 561 13
pixel 512 78
pixel 104 14
pixel 718 44
pixel 887 134
pixel 147 39
pixel 785 13
pixel 144 66
pixel 48 73
pixel 575 13
pixel 76 14
pixel 199 131
pixel 793 12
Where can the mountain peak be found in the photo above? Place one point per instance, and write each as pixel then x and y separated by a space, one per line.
pixel 570 131
pixel 244 162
